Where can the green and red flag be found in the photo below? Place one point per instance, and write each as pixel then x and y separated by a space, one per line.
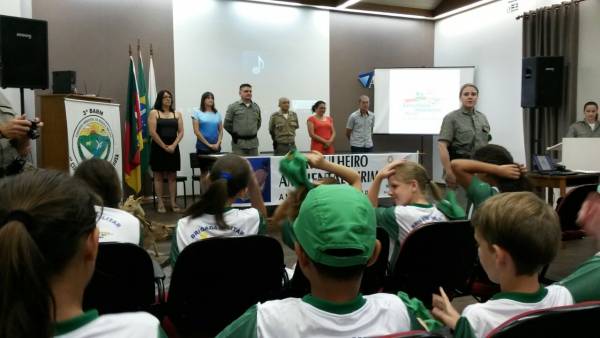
pixel 134 143
pixel 145 110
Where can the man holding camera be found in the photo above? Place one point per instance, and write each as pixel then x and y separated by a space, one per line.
pixel 15 134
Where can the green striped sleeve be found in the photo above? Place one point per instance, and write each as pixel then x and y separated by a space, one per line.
pixel 287 234
pixel 161 333
pixel 479 191
pixel 244 326
pixel 174 248
pixel 262 225
pixel 416 309
pixel 386 219
pixel 463 329
pixel 583 284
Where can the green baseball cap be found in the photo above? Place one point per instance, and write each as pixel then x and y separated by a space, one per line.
pixel 293 167
pixel 335 217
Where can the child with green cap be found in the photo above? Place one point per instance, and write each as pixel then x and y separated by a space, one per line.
pixel 335 242
pixel 293 168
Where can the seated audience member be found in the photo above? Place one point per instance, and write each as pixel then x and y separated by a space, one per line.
pixel 517 234
pixel 491 171
pixel 230 178
pixel 48 248
pixel 408 185
pixel 115 225
pixel 335 242
pixel 589 126
pixel 293 168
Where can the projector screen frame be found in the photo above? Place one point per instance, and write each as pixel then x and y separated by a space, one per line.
pixel 470 78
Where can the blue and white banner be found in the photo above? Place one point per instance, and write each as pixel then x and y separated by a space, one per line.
pixel 275 187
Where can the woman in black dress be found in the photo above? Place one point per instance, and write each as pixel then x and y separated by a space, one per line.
pixel 166 129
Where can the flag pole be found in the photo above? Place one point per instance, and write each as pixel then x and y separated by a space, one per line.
pixel 151 50
pixel 139 48
pixel 129 49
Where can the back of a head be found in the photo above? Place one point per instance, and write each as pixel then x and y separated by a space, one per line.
pixel 524 225
pixel 498 155
pixel 336 228
pixel 229 175
pixel 44 216
pixel 102 178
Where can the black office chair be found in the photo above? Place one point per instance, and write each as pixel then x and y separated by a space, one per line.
pixel 578 320
pixel 568 209
pixel 436 254
pixel 125 280
pixel 201 163
pixel 216 280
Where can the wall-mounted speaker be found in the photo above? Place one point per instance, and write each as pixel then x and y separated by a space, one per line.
pixel 542 81
pixel 23 53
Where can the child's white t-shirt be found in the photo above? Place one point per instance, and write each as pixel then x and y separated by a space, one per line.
pixel 127 325
pixel 117 225
pixel 484 317
pixel 240 223
pixel 398 221
pixel 369 316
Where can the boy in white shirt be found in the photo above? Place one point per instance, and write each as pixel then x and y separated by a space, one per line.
pixel 335 241
pixel 517 234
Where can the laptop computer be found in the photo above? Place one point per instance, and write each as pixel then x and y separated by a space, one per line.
pixel 544 164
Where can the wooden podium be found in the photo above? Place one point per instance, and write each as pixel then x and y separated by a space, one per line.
pixel 53 143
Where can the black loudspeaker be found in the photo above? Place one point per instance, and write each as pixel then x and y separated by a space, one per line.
pixel 63 82
pixel 23 53
pixel 542 81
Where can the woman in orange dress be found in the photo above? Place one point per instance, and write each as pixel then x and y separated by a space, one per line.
pixel 321 130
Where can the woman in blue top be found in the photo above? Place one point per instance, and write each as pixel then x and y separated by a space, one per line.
pixel 208 126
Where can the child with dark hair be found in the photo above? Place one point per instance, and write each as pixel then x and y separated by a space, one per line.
pixel 491 171
pixel 517 234
pixel 115 225
pixel 335 242
pixel 48 249
pixel 230 178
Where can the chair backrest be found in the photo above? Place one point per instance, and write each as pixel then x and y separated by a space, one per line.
pixel 569 206
pixel 578 320
pixel 413 334
pixel 123 280
pixel 194 162
pixel 374 277
pixel 436 254
pixel 215 280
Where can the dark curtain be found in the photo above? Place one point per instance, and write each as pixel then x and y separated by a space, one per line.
pixel 552 31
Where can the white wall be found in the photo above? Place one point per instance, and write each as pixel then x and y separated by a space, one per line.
pixel 281 51
pixel 21 8
pixel 490 39
pixel 588 74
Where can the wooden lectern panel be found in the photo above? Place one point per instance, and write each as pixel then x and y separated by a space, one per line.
pixel 53 141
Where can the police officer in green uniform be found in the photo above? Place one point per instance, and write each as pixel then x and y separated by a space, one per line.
pixel 282 127
pixel 589 127
pixel 463 131
pixel 242 121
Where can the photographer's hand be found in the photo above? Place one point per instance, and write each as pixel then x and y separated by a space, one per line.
pixel 15 128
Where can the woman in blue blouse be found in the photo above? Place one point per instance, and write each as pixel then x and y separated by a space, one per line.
pixel 208 126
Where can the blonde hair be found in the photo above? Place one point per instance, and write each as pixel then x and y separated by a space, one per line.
pixel 523 225
pixel 408 171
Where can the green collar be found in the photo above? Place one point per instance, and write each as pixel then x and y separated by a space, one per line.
pixel 337 308
pixel 420 205
pixel 523 297
pixel 66 326
pixel 470 113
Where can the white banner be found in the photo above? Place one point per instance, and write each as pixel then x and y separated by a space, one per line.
pixel 94 130
pixel 275 187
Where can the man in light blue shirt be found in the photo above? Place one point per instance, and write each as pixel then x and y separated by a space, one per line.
pixel 359 129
